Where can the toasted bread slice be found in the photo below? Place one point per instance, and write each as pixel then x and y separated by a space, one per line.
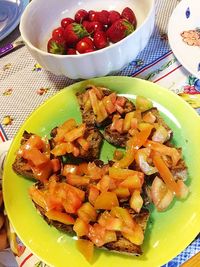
pixel 20 164
pixel 122 245
pixel 88 115
pixel 95 139
pixel 120 139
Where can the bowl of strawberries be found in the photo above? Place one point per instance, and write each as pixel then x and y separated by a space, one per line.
pixel 86 39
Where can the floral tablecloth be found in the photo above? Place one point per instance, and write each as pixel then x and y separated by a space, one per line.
pixel 24 85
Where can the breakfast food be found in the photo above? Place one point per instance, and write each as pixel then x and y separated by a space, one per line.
pixel 105 204
pixel 91 30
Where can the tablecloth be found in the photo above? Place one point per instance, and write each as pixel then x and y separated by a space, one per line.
pixel 24 85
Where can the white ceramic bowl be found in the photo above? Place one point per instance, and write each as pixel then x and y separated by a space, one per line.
pixel 41 17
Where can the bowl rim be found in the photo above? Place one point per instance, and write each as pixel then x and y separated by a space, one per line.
pixel 45 53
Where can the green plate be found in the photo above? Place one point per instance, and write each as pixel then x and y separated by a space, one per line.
pixel 168 232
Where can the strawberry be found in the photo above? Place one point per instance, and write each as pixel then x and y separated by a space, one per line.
pixel 58 33
pixel 119 30
pixel 93 15
pixel 84 45
pixel 74 32
pixel 129 15
pixel 81 15
pixel 103 17
pixel 100 39
pixel 113 16
pixel 56 46
pixel 66 21
pixel 71 51
pixel 92 26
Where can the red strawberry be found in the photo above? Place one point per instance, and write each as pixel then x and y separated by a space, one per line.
pixel 129 15
pixel 66 21
pixel 103 17
pixel 58 33
pixel 71 51
pixel 81 15
pixel 74 32
pixel 93 15
pixel 84 45
pixel 56 46
pixel 113 16
pixel 119 30
pixel 100 39
pixel 93 26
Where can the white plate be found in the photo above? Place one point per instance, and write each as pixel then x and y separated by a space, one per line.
pixel 10 14
pixel 185 17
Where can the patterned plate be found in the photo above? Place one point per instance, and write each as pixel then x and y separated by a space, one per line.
pixel 10 14
pixel 184 35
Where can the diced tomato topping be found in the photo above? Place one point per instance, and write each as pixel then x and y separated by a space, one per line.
pixel 77 180
pixel 136 201
pixel 81 227
pixel 93 194
pixel 86 248
pixel 55 165
pixel 60 217
pixel 87 212
pixel 106 201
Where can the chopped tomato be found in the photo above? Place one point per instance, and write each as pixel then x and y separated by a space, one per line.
pixel 121 174
pixel 132 182
pixel 72 202
pixel 38 197
pixel 140 138
pixel 77 180
pixel 160 194
pixel 127 159
pixel 123 215
pixel 136 201
pixel 83 143
pixel 82 168
pixel 149 117
pixel 94 171
pixel 34 141
pixel 93 194
pixel 63 129
pixel 60 217
pixel 55 165
pixel 86 248
pixel 106 183
pixel 106 201
pixel 42 173
pixel 166 174
pixel 75 133
pixel 122 192
pixel 121 101
pixel 143 103
pixel 35 156
pixel 62 148
pixel 165 150
pixel 97 234
pixel 110 236
pixel 110 107
pixel 110 222
pixel 69 168
pixel 136 236
pixel 81 227
pixel 127 121
pixel 87 212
